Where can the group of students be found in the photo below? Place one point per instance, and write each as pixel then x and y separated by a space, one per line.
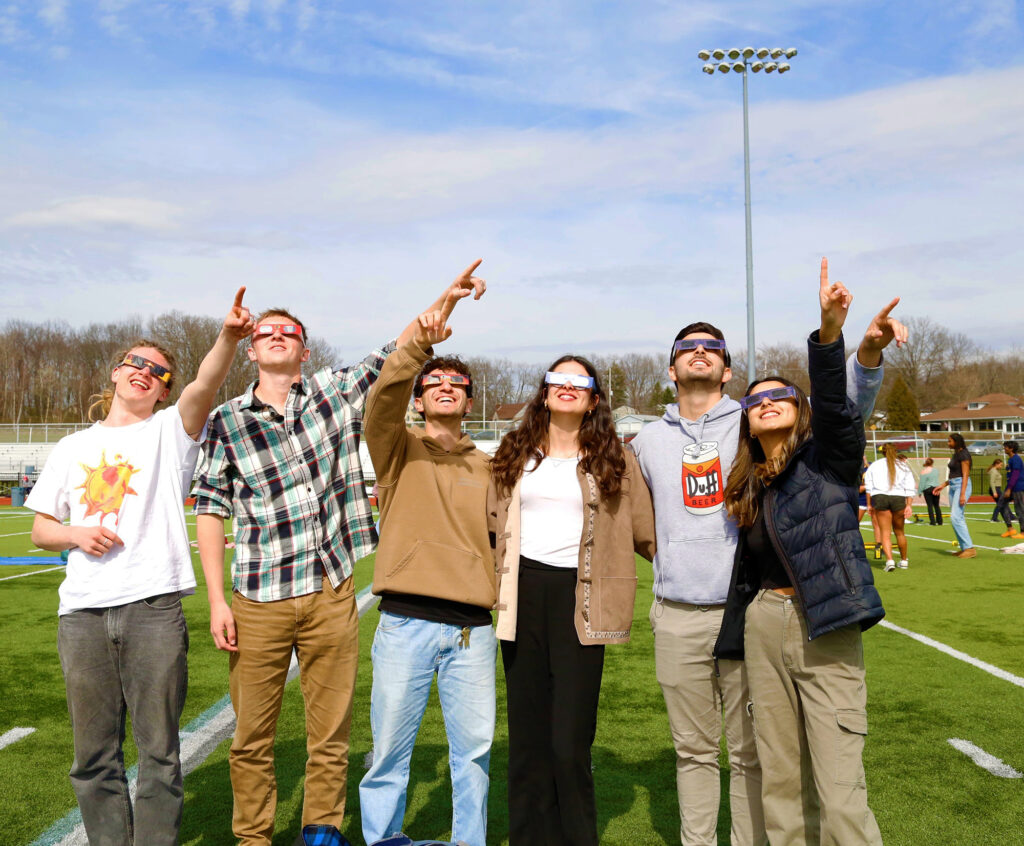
pixel 746 509
pixel 888 486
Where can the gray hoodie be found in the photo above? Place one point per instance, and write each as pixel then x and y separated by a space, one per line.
pixel 686 464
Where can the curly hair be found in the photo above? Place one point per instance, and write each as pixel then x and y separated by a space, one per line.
pixel 450 363
pixel 600 449
pixel 752 469
pixel 105 398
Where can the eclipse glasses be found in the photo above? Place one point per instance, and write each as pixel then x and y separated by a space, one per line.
pixel 686 344
pixel 456 380
pixel 774 394
pixel 575 380
pixel 140 363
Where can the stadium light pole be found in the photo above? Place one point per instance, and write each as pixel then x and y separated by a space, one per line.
pixel 743 61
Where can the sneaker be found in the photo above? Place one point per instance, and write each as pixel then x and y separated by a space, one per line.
pixel 1017 535
pixel 890 565
pixel 1009 533
pixel 970 552
pixel 903 564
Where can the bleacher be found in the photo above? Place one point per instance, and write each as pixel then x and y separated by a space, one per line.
pixel 15 458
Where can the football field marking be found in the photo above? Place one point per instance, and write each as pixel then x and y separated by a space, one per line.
pixel 14 735
pixel 33 573
pixel 956 653
pixel 198 739
pixel 983 759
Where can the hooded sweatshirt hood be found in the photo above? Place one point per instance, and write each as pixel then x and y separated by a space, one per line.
pixel 686 464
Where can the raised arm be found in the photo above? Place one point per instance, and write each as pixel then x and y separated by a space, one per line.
pixel 464 285
pixel 837 421
pixel 197 398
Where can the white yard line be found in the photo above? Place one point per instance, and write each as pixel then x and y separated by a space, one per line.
pixel 198 739
pixel 956 653
pixel 33 573
pixel 947 541
pixel 14 735
pixel 16 534
pixel 983 759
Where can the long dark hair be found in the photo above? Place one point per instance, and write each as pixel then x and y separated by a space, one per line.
pixel 600 449
pixel 751 468
pixel 958 441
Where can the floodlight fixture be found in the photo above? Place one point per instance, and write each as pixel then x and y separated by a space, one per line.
pixel 741 61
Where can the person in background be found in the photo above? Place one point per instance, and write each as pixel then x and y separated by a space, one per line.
pixel 568 509
pixel 959 484
pixel 889 483
pixel 1014 488
pixel 926 487
pixel 122 638
pixel 995 490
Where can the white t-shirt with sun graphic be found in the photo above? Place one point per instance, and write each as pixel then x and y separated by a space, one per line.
pixel 133 480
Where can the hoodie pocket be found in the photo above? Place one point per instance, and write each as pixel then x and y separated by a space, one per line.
pixel 443 571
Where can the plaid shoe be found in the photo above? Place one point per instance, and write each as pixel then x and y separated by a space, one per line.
pixel 323 835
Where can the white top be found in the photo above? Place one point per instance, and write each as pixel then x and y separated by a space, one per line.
pixel 876 479
pixel 133 480
pixel 551 512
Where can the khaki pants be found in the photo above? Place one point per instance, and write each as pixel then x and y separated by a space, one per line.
pixel 809 714
pixel 323 629
pixel 697 699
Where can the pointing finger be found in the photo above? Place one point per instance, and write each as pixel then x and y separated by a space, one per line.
pixel 824 274
pixel 884 313
pixel 469 270
pixel 238 297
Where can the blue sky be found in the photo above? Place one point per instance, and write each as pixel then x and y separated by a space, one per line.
pixel 346 159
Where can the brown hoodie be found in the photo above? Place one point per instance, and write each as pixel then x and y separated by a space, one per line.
pixel 433 502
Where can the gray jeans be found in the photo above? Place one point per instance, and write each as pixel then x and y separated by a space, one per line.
pixel 126 659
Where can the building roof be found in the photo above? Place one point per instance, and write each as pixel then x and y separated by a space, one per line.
pixel 509 411
pixel 993 406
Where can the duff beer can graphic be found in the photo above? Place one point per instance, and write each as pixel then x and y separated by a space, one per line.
pixel 703 491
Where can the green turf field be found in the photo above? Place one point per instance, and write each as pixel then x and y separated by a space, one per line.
pixel 922 790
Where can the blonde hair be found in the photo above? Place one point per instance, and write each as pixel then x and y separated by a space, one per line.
pixel 889 451
pixel 105 398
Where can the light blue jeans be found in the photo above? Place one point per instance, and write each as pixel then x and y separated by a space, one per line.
pixel 407 653
pixel 956 513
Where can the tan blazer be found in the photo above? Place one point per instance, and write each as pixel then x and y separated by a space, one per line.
pixel 613 530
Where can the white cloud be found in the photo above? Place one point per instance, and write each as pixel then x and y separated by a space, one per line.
pixel 100 212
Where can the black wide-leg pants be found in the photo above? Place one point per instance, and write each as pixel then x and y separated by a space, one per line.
pixel 553 685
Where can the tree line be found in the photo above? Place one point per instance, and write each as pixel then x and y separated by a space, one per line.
pixel 49 371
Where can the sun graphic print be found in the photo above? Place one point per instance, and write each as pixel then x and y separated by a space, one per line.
pixel 106 486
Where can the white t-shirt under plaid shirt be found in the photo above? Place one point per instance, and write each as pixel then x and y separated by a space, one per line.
pixel 293 484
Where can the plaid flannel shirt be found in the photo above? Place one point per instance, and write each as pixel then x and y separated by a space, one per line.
pixel 293 484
